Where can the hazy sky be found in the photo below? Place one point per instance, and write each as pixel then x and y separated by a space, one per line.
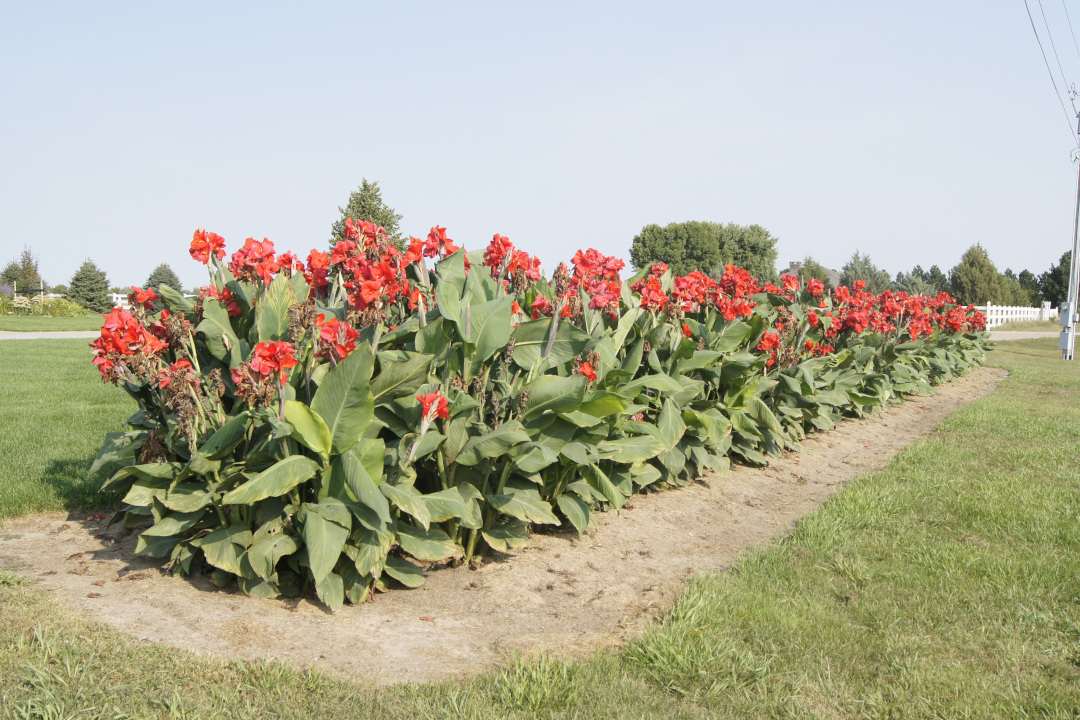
pixel 908 131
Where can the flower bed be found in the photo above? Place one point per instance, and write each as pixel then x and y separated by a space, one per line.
pixel 343 420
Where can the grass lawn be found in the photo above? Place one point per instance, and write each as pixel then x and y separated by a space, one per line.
pixel 31 323
pixel 946 586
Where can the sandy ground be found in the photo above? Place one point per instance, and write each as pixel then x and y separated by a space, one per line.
pixel 563 594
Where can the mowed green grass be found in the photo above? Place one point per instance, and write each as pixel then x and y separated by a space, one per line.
pixel 30 323
pixel 946 586
pixel 1032 326
pixel 54 413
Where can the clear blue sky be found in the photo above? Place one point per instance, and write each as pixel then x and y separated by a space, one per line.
pixel 908 131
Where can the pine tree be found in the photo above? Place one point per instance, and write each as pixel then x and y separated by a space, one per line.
pixel 162 275
pixel 975 280
pixel 1054 283
pixel 366 203
pixel 861 267
pixel 89 288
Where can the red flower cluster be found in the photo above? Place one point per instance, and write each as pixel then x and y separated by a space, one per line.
pixel 586 369
pixel 122 335
pixel 142 298
pixel 501 252
pixel 769 341
pixel 317 272
pixel 204 244
pixel 180 368
pixel 652 294
pixel 337 339
pixel 255 262
pixel 273 360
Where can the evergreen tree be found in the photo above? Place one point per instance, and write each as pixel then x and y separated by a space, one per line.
pixel 1054 283
pixel 1029 282
pixel 975 280
pixel 937 279
pixel 89 288
pixel 23 273
pixel 861 267
pixel 162 275
pixel 914 282
pixel 366 203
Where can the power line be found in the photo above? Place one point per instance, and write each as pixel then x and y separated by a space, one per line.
pixel 1068 120
pixel 1053 47
pixel 1077 47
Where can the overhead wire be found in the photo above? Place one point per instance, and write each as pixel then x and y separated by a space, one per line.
pixel 1069 19
pixel 1068 120
pixel 1053 47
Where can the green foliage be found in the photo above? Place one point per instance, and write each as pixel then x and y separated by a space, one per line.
pixel 89 287
pixel 706 247
pixel 975 281
pixel 366 203
pixel 812 269
pixel 861 267
pixel 1054 283
pixel 338 476
pixel 685 247
pixel 23 273
pixel 1013 291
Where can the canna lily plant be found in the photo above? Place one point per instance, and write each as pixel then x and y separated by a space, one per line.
pixel 339 424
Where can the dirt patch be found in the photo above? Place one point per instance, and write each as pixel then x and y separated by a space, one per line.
pixel 563 594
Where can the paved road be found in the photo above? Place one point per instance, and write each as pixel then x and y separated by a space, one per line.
pixel 65 335
pixel 1020 335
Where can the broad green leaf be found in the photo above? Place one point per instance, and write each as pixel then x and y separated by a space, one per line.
pixel 175 300
pixel 143 492
pixel 174 524
pixel 445 504
pixel 670 424
pixel 308 428
pixel 523 503
pixel 118 447
pixel 357 478
pixel 266 551
pixel 494 444
pixel 655 381
pixel 331 590
pixel 224 548
pixel 602 484
pixel 258 588
pixel 633 449
pixel 761 412
pixel 700 359
pixel 404 571
pixel 531 338
pixel 451 283
pixel 372 548
pixel 221 339
pixel 507 534
pixel 344 400
pixel 399 379
pixel 273 312
pixel 276 480
pixel 430 544
pixel 733 336
pixel 576 511
pixel 156 546
pixel 554 393
pixel 603 403
pixel 489 331
pixel 407 499
pixel 325 528
pixel 187 497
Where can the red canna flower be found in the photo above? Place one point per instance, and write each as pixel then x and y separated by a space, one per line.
pixel 815 287
pixel 433 405
pixel 205 243
pixel 587 370
pixel 769 341
pixel 272 359
pixel 143 298
pixel 791 283
pixel 338 339
pixel 178 368
pixel 686 330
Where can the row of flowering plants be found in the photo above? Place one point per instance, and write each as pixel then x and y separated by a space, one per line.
pixel 342 421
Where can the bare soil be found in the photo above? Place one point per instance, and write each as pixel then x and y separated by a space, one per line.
pixel 564 594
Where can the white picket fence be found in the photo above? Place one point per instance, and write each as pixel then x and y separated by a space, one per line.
pixel 998 315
